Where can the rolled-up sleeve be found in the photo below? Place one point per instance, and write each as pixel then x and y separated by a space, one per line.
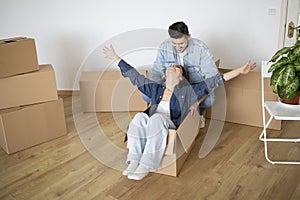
pixel 208 66
pixel 144 84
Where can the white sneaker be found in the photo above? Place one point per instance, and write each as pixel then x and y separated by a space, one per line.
pixel 202 121
pixel 140 173
pixel 131 168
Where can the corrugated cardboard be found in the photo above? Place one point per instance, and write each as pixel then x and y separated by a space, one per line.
pixel 243 99
pixel 27 126
pixel 180 143
pixel 107 91
pixel 30 88
pixel 17 56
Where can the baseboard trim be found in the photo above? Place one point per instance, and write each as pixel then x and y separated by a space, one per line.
pixel 67 92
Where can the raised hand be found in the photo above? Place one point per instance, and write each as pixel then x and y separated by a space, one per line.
pixel 247 67
pixel 110 53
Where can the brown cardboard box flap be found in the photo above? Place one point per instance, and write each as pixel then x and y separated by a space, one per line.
pixel 188 130
pixel 170 148
pixel 15 39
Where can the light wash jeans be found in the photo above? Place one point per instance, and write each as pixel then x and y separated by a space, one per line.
pixel 146 98
pixel 147 139
pixel 207 103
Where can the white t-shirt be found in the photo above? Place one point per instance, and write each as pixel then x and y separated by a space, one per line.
pixel 180 57
pixel 164 108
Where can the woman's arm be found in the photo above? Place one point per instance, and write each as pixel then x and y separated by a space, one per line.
pixel 144 85
pixel 110 53
pixel 217 80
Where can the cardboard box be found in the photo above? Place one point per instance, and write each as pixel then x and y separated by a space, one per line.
pixel 243 100
pixel 30 88
pixel 17 56
pixel 107 91
pixel 24 127
pixel 180 143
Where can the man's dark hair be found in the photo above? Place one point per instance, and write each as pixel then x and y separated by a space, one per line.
pixel 178 29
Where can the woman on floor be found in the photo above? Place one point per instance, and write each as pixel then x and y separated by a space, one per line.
pixel 170 104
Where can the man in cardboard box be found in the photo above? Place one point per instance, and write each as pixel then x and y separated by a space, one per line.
pixel 170 104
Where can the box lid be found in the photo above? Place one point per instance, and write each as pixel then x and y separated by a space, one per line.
pixel 188 130
pixel 10 40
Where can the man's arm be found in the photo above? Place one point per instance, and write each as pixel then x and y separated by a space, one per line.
pixel 207 63
pixel 158 70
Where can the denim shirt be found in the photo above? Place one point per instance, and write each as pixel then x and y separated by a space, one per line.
pixel 183 96
pixel 198 62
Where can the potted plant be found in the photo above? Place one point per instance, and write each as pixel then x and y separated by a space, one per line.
pixel 285 70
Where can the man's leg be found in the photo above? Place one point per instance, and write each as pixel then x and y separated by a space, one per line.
pixel 146 98
pixel 207 103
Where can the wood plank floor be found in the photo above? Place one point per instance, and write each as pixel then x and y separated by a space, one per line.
pixel 69 167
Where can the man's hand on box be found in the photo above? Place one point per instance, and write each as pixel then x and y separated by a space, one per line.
pixel 194 108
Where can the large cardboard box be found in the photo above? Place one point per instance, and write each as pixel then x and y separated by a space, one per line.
pixel 180 143
pixel 23 127
pixel 107 91
pixel 17 56
pixel 30 88
pixel 243 100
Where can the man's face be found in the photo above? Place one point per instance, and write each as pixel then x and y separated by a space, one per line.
pixel 180 44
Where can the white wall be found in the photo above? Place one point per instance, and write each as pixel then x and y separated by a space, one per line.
pixel 67 31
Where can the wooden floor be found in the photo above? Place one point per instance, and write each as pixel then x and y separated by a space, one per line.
pixel 66 169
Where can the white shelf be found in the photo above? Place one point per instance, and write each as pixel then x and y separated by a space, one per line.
pixel 282 111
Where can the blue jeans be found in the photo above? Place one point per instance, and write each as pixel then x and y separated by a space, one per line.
pixel 146 98
pixel 207 103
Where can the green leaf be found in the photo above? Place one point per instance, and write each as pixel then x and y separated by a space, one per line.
pixel 294 54
pixel 297 61
pixel 290 90
pixel 290 96
pixel 292 57
pixel 276 79
pixel 296 50
pixel 280 52
pixel 280 63
pixel 297 67
pixel 288 75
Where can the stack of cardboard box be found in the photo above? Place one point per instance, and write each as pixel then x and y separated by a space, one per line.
pixel 30 110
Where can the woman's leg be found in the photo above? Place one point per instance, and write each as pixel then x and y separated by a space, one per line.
pixel 157 131
pixel 137 137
